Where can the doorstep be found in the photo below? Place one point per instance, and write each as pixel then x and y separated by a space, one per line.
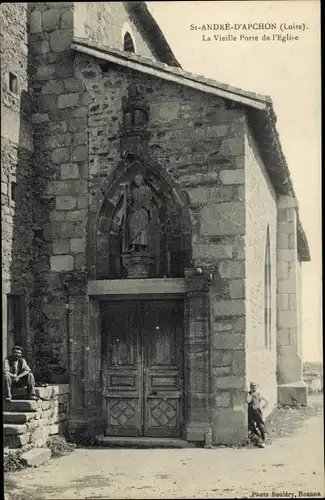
pixel 143 442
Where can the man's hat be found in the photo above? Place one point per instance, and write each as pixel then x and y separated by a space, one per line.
pixel 18 348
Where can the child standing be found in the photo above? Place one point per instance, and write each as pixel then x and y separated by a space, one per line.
pixel 255 415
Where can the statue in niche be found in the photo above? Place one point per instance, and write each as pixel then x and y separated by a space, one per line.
pixel 137 260
pixel 138 215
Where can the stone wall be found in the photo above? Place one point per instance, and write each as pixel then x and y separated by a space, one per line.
pixel 28 424
pixel 106 23
pixel 16 166
pixel 261 214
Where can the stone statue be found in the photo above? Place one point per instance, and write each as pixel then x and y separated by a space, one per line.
pixel 139 215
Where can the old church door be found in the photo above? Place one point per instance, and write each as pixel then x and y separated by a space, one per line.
pixel 143 367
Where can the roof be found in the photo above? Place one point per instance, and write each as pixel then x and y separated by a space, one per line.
pixel 259 108
pixel 153 33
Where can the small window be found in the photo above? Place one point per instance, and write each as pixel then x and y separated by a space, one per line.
pixel 13 83
pixel 128 45
pixel 14 191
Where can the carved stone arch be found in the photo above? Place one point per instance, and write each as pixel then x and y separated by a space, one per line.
pixel 104 242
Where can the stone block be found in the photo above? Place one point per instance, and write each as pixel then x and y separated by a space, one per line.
pixel 44 392
pixel 237 289
pixel 36 457
pixel 230 341
pixel 61 247
pixel 14 429
pixel 53 87
pixel 230 382
pixel 212 251
pixel 287 286
pixel 231 269
pixel 60 389
pixel 77 245
pixel 222 326
pixel 60 155
pixel 293 336
pixel 47 102
pixel 61 263
pixel 229 426
pixel 35 22
pixel 282 241
pixel 82 202
pixel 233 146
pixel 223 219
pixel 198 196
pixel 221 358
pixel 40 47
pixel 222 399
pixel 239 363
pixel 69 171
pixel 229 308
pixel 283 336
pixel 40 118
pixel 284 255
pixel 293 394
pixel 238 398
pixel 232 176
pixel 220 371
pixel 68 100
pixel 289 365
pixel 17 417
pixel 67 19
pixel 46 405
pixel 58 428
pixel 282 301
pixel 60 40
pixel 74 85
pixel 39 433
pixel 80 153
pixel 66 202
pixel 45 72
pixel 16 441
pixel 51 19
pixel 287 319
pixel 293 299
pixel 21 405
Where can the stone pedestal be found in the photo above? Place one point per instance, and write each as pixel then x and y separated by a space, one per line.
pixel 295 394
pixel 138 264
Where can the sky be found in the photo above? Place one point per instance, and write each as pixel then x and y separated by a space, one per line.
pixel 289 72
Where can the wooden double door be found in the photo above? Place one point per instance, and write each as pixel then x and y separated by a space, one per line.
pixel 143 367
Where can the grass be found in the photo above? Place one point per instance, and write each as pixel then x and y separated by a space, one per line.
pixel 59 446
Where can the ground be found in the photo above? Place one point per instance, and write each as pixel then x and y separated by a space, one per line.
pixel 293 462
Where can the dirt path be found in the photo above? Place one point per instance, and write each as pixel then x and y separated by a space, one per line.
pixel 290 465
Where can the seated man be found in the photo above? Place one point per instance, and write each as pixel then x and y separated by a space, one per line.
pixel 17 372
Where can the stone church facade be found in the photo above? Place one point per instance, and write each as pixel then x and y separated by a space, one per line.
pixel 159 299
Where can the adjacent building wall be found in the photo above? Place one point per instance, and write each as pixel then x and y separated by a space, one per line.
pixel 261 214
pixel 16 167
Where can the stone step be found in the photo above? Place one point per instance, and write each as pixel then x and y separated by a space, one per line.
pixel 36 456
pixel 16 441
pixel 21 405
pixel 14 429
pixel 11 417
pixel 143 442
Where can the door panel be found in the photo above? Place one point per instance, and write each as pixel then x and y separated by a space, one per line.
pixel 162 368
pixel 142 367
pixel 122 374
